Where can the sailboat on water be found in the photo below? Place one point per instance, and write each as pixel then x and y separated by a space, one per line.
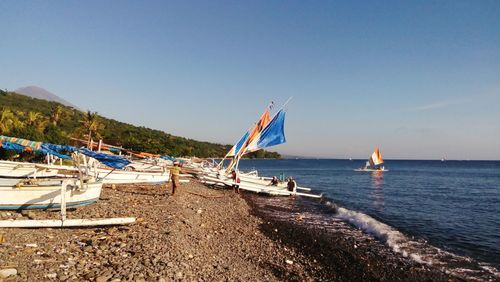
pixel 374 163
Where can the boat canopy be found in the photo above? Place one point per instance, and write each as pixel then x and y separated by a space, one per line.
pixel 109 160
pixel 18 144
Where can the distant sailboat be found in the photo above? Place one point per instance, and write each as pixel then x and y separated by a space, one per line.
pixel 374 163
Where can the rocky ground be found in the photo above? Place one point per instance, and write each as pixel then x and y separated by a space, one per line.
pixel 199 234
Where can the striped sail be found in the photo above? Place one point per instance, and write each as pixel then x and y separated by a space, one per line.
pixel 272 135
pixel 376 158
pixel 23 142
pixel 254 135
pixel 238 150
pixel 237 147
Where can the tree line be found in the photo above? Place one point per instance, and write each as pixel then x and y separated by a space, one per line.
pixel 35 119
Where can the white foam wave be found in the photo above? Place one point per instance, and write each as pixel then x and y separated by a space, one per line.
pixel 418 251
pixel 396 240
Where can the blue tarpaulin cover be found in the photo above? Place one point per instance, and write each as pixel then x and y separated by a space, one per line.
pixel 43 149
pixel 46 150
pixel 12 146
pixel 168 158
pixel 109 160
pixel 60 148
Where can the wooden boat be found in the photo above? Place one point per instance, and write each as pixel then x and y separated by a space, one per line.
pixel 253 177
pixel 254 187
pixel 374 163
pixel 113 176
pixel 49 194
pixel 18 194
pixel 24 170
pixel 126 177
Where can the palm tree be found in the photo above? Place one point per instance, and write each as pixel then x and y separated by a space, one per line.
pixel 8 121
pixel 56 114
pixel 37 121
pixel 32 118
pixel 91 124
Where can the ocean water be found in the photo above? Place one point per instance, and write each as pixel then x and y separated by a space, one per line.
pixel 441 213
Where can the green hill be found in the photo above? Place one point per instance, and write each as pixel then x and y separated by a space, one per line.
pixel 30 118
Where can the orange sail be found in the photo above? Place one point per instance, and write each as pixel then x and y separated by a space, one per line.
pixel 255 133
pixel 376 158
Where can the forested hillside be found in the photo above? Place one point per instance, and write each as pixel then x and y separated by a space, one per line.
pixel 41 120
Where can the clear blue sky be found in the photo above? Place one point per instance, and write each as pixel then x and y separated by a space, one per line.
pixel 420 79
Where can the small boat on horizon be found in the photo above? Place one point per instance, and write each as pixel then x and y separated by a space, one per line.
pixel 374 163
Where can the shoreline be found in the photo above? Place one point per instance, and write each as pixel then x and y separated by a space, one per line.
pixel 199 234
pixel 345 258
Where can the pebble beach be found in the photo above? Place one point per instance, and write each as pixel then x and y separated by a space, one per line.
pixel 199 234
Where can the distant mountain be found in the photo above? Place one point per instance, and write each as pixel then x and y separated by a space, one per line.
pixel 40 93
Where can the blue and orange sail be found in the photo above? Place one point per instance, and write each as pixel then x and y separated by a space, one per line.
pixel 273 134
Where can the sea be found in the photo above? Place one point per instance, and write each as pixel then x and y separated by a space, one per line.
pixel 443 213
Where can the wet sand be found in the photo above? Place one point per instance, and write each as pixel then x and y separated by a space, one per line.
pixel 199 234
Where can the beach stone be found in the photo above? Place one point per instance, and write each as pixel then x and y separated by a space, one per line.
pixel 103 278
pixel 51 275
pixel 4 273
pixel 31 215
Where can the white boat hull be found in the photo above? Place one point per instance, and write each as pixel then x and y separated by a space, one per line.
pixel 257 188
pixel 47 194
pixel 126 177
pixel 370 169
pixel 24 170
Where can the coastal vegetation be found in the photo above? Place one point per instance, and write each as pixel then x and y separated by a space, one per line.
pixel 35 119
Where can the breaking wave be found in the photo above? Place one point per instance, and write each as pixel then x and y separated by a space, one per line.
pixel 418 251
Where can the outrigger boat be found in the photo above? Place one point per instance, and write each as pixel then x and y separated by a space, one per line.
pixel 49 193
pixel 20 194
pixel 374 163
pixel 24 170
pixel 256 188
pixel 267 132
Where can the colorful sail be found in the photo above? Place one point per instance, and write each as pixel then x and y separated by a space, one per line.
pixel 376 158
pixel 272 135
pixel 237 147
pixel 255 133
